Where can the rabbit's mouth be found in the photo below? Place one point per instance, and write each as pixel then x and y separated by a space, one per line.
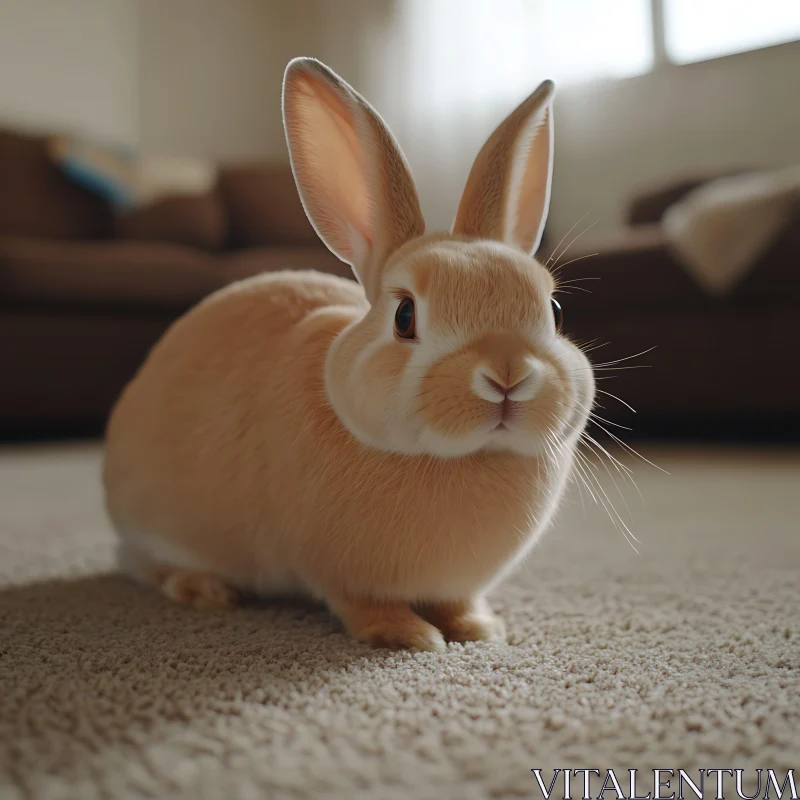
pixel 508 409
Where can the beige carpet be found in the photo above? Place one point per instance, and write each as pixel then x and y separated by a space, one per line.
pixel 685 656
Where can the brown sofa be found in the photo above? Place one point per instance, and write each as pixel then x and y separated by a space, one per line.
pixel 85 293
pixel 722 366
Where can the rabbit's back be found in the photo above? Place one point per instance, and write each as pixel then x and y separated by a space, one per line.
pixel 195 435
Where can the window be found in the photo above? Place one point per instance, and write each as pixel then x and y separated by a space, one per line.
pixel 500 46
pixel 695 30
pixel 469 52
pixel 584 39
pixel 496 50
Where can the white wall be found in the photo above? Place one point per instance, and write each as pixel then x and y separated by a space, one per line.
pixel 196 77
pixel 70 65
pixel 211 70
pixel 211 73
pixel 203 68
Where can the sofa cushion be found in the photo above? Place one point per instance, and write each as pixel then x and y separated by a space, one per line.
pixel 37 200
pixel 649 205
pixel 634 268
pixel 108 275
pixel 624 267
pixel 192 220
pixel 263 206
pixel 244 263
pixel 67 369
pixel 126 178
pixel 775 278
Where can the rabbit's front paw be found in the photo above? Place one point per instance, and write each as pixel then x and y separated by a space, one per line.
pixel 390 625
pixel 418 636
pixel 467 621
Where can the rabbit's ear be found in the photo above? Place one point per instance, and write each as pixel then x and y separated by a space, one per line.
pixel 352 177
pixel 508 190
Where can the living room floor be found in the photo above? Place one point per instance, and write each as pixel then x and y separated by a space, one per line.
pixel 685 655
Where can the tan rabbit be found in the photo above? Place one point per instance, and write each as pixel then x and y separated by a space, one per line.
pixel 393 447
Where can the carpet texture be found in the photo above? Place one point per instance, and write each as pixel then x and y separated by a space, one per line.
pixel 684 656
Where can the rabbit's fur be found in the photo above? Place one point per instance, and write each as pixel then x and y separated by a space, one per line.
pixel 284 436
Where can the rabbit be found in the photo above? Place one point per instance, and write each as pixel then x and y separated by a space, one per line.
pixel 392 446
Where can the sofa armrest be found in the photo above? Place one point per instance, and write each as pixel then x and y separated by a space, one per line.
pixel 112 276
pixel 648 206
pixel 630 268
pixel 263 207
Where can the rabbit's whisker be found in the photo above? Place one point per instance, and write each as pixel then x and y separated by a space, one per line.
pixel 555 249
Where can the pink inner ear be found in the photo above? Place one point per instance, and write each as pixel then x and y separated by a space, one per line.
pixel 533 185
pixel 508 188
pixel 330 163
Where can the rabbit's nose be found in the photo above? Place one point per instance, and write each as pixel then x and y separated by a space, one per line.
pixel 519 382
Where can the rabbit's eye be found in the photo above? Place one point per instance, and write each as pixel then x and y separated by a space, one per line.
pixel 404 319
pixel 558 314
